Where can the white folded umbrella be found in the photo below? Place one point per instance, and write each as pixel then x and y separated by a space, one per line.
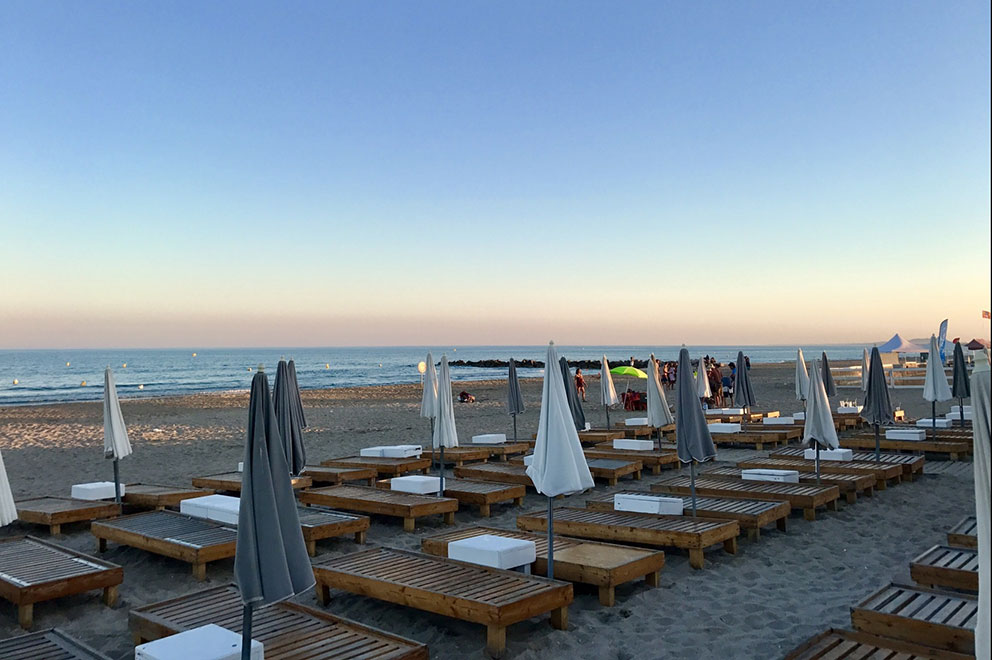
pixel 607 393
pixel 445 434
pixel 8 511
pixel 935 387
pixel 658 412
pixel 819 426
pixel 802 377
pixel 865 360
pixel 703 390
pixel 428 401
pixel 116 444
pixel 980 397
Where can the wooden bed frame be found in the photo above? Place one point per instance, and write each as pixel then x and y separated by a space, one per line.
pixel 964 534
pixel 367 499
pixel 883 472
pixel 850 485
pixel 51 644
pixel 482 494
pixel 327 475
pixel 833 644
pixel 230 482
pixel 384 467
pixel 940 619
pixel 57 511
pixel 945 567
pixel 808 497
pixel 151 496
pixel 912 465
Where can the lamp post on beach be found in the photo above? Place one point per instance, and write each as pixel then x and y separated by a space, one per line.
pixel 422 367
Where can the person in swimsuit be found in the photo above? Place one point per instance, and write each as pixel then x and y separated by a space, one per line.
pixel 580 383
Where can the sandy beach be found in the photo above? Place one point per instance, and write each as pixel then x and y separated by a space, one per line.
pixel 759 604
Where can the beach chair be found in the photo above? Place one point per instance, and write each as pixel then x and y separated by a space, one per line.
pixel 751 515
pixel 964 534
pixel 953 449
pixel 326 475
pixel 230 482
pixel 288 631
pixel 757 439
pixel 654 459
pixel 32 571
pixel 912 465
pixel 883 472
pixel 508 473
pixel 499 452
pixel 939 619
pixel 479 594
pixel 384 467
pixel 610 470
pixel 835 644
pixel 850 485
pixel 460 455
pixel 51 644
pixel 150 496
pixel 808 497
pixel 945 567
pixel 483 494
pixel 54 512
pixel 602 565
pixel 686 533
pixel 395 504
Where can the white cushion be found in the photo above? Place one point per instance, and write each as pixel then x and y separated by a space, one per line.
pixel 221 508
pixel 957 409
pixel 905 434
pixel 241 466
pixel 724 427
pixel 849 409
pixel 402 451
pixel 648 504
pixel 830 454
pixel 209 642
pixel 778 421
pixel 725 411
pixel 528 459
pixel 784 476
pixel 489 439
pixel 97 490
pixel 636 421
pixel 927 423
pixel 419 484
pixel 373 452
pixel 636 445
pixel 801 416
pixel 492 550
pixel 955 415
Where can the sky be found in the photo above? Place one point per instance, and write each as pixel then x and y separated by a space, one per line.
pixel 396 173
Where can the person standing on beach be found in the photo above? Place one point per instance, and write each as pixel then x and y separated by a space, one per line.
pixel 580 383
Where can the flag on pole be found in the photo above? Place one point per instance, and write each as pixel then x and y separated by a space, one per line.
pixel 942 339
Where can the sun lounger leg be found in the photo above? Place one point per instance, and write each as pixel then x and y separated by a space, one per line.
pixel 409 524
pixel 496 640
pixel 730 546
pixel 559 618
pixel 851 496
pixel 611 482
pixel 484 510
pixel 653 579
pixel 607 596
pixel 200 571
pixel 312 548
pixel 101 545
pixel 449 518
pixel 519 501
pixel 782 524
pixel 137 638
pixel 753 534
pixel 869 491
pixel 656 468
pixel 323 593
pixel 360 537
pixel 696 558
pixel 953 456
pixel 25 615
pixel 809 514
pixel 110 596
pixel 55 530
pixel 881 485
pixel 832 505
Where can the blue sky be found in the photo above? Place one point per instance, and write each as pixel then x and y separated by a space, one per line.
pixel 404 173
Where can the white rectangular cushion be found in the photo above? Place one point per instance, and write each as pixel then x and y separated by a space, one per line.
pixel 402 451
pixel 905 434
pixel 648 504
pixel 636 445
pixel 801 416
pixel 528 459
pixel 241 466
pixel 955 415
pixel 957 409
pixel 489 439
pixel 221 508
pixel 373 452
pixel 495 551
pixel 636 421
pixel 830 454
pixel 96 490
pixel 927 423
pixel 778 421
pixel 849 409
pixel 784 476
pixel 209 642
pixel 724 427
pixel 724 411
pixel 419 484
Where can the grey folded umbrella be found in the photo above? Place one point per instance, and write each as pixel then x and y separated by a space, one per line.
pixel 514 397
pixel 961 383
pixel 295 393
pixel 578 416
pixel 692 435
pixel 271 562
pixel 877 410
pixel 288 418
pixel 828 377
pixel 743 394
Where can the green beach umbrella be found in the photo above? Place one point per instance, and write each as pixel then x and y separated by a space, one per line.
pixel 630 372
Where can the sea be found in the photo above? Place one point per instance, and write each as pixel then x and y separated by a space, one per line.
pixel 53 376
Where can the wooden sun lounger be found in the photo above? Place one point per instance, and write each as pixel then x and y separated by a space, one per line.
pixel 964 534
pixel 587 438
pixel 940 619
pixel 32 571
pixel 692 534
pixel 948 568
pixel 640 432
pixel 482 494
pixel 955 449
pixel 604 435
pixel 883 472
pixel 149 496
pixel 751 515
pixel 835 644
pixel 57 511
pixel 499 452
pixel 850 420
pixel 198 541
pixel 912 465
pixel 52 644
pixel 808 497
pixel 508 473
pixel 609 469
pixel 460 455
pixel 288 630
pixel 603 565
pixel 750 438
pixel 367 499
pixel 468 592
pixel 384 467
pixel 653 459
pixel 850 485
pixel 326 475
pixel 230 482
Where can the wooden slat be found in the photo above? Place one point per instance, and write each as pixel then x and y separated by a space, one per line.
pixel 329 475
pixel 850 485
pixel 954 449
pixel 511 474
pixel 939 619
pixel 55 511
pixel 52 644
pixel 155 496
pixel 801 496
pixel 911 463
pixel 883 472
pixel 947 567
pixel 366 499
pixel 482 494
pixel 231 482
pixel 389 467
pixel 964 534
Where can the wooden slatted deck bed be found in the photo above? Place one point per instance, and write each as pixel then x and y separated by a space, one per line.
pixel 52 644
pixel 468 592
pixel 912 465
pixel 850 485
pixel 940 619
pixel 654 459
pixel 57 511
pixel 610 470
pixel 499 452
pixel 482 494
pixel 326 475
pixel 507 473
pixel 198 541
pixel 288 630
pixel 603 565
pixel 751 515
pixel 755 439
pixel 230 482
pixel 150 496
pixel 460 455
pixel 836 644
pixel 945 567
pixel 686 533
pixel 964 534
pixel 954 449
pixel 883 472
pixel 384 467
pixel 32 571
pixel 808 497
pixel 367 499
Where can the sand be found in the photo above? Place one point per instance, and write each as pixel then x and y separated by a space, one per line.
pixel 758 604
